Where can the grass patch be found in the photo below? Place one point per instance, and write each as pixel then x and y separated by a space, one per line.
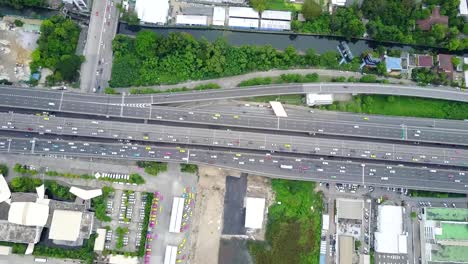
pixel 190 168
pixel 402 106
pixel 282 5
pixel 293 230
pixel 283 78
pixel 208 86
pixel 418 193
pixel 292 99
pixel 152 167
pixel 100 204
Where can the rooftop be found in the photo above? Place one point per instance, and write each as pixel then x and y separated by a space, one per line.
pixel 445 62
pixel 425 61
pixel 28 213
pixel 255 208
pixel 453 231
pixel 65 225
pixel 393 64
pixel 447 214
pixel 389 237
pixel 152 11
pixel 4 189
pixel 346 246
pixel 435 18
pixel 349 209
pixel 19 233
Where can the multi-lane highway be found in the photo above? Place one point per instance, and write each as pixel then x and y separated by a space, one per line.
pixel 264 164
pixel 96 70
pixel 391 128
pixel 215 138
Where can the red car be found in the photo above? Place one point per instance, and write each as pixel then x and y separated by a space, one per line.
pixel 30 129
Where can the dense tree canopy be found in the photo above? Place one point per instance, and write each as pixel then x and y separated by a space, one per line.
pixel 150 59
pixel 18 4
pixel 311 10
pixel 57 47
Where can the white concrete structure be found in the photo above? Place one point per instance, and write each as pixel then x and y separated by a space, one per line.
pixel 244 12
pixel 254 211
pixel 28 214
pixel 463 8
pixel 219 16
pixel 85 194
pixel 5 251
pixel 100 239
pixel 243 22
pixel 152 11
pixel 65 225
pixel 339 2
pixel 191 20
pixel 325 222
pixel 40 192
pixel 121 259
pixel 278 109
pixel 176 214
pixel 389 237
pixel 5 192
pixel 319 99
pixel 170 255
pixel 277 15
pixel 275 24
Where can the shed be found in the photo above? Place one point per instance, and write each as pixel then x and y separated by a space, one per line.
pixel 176 214
pixel 349 209
pixel 276 15
pixel 191 20
pixel 425 61
pixel 152 11
pixel 393 64
pixel 243 12
pixel 389 237
pixel 100 239
pixel 254 211
pixel 269 24
pixel 170 255
pixel 243 22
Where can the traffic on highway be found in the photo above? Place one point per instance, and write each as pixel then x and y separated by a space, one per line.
pixel 51 125
pixel 273 165
pixel 401 129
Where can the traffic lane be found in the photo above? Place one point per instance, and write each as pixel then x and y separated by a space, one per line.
pixel 302 169
pixel 137 111
pixel 29 93
pixel 92 108
pixel 48 104
pixel 233 139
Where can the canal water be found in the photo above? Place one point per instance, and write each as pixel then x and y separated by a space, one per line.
pixel 34 13
pixel 279 40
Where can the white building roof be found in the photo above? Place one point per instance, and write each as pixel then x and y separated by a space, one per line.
pixel 219 16
pixel 243 22
pixel 176 214
pixel 246 12
pixel 85 194
pixel 121 259
pixel 152 11
pixel 191 20
pixel 339 2
pixel 390 230
pixel 170 255
pixel 275 24
pixel 100 239
pixel 254 209
pixel 278 109
pixel 319 99
pixel 5 192
pixel 4 250
pixel 349 209
pixel 325 222
pixel 65 225
pixel 28 213
pixel 40 192
pixel 463 8
pixel 278 15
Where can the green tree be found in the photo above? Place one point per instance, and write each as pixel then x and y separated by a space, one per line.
pixel 259 5
pixel 381 68
pixel 3 169
pixel 311 10
pixel 456 61
pixel 18 23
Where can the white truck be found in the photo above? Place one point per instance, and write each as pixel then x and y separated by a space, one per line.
pixel 288 167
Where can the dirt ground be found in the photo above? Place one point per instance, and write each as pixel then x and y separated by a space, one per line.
pixel 16 46
pixel 208 214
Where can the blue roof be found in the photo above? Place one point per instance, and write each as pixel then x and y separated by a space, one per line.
pixel 36 76
pixel 322 259
pixel 393 63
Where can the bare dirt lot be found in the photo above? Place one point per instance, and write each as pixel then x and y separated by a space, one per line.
pixel 16 46
pixel 208 214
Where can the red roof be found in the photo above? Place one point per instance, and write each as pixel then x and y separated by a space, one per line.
pixel 445 62
pixel 435 18
pixel 425 61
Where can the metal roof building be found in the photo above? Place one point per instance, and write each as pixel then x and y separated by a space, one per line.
pixel 152 11
pixel 345 248
pixel 275 24
pixel 349 209
pixel 219 16
pixel 28 214
pixel 176 214
pixel 5 192
pixel 100 239
pixel 389 237
pixel 243 22
pixel 277 15
pixel 245 12
pixel 65 225
pixel 254 210
pixel 170 255
pixel 192 20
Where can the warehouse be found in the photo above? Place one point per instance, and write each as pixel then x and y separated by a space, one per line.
pixel 243 23
pixel 191 20
pixel 152 11
pixel 243 12
pixel 275 24
pixel 176 214
pixel 389 237
pixel 219 16
pixel 276 15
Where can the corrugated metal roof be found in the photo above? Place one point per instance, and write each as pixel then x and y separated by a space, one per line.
pixel 275 24
pixel 152 11
pixel 278 15
pixel 219 16
pixel 246 12
pixel 191 20
pixel 243 22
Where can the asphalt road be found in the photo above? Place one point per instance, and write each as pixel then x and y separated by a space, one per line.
pixel 264 164
pixel 96 70
pixel 342 124
pixel 216 138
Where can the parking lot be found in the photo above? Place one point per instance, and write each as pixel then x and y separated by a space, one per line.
pixel 126 208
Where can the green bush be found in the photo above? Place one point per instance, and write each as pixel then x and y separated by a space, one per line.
pixel 4 169
pixel 149 201
pixel 152 167
pixel 23 184
pixel 23 169
pixel 256 81
pixel 99 204
pixel 136 178
pixel 85 253
pixel 120 231
pixel 190 168
pixel 18 23
pixel 418 193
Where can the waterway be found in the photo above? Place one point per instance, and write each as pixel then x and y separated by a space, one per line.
pixel 279 40
pixel 34 13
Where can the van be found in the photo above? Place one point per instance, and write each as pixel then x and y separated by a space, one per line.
pixel 52 104
pixel 41 260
